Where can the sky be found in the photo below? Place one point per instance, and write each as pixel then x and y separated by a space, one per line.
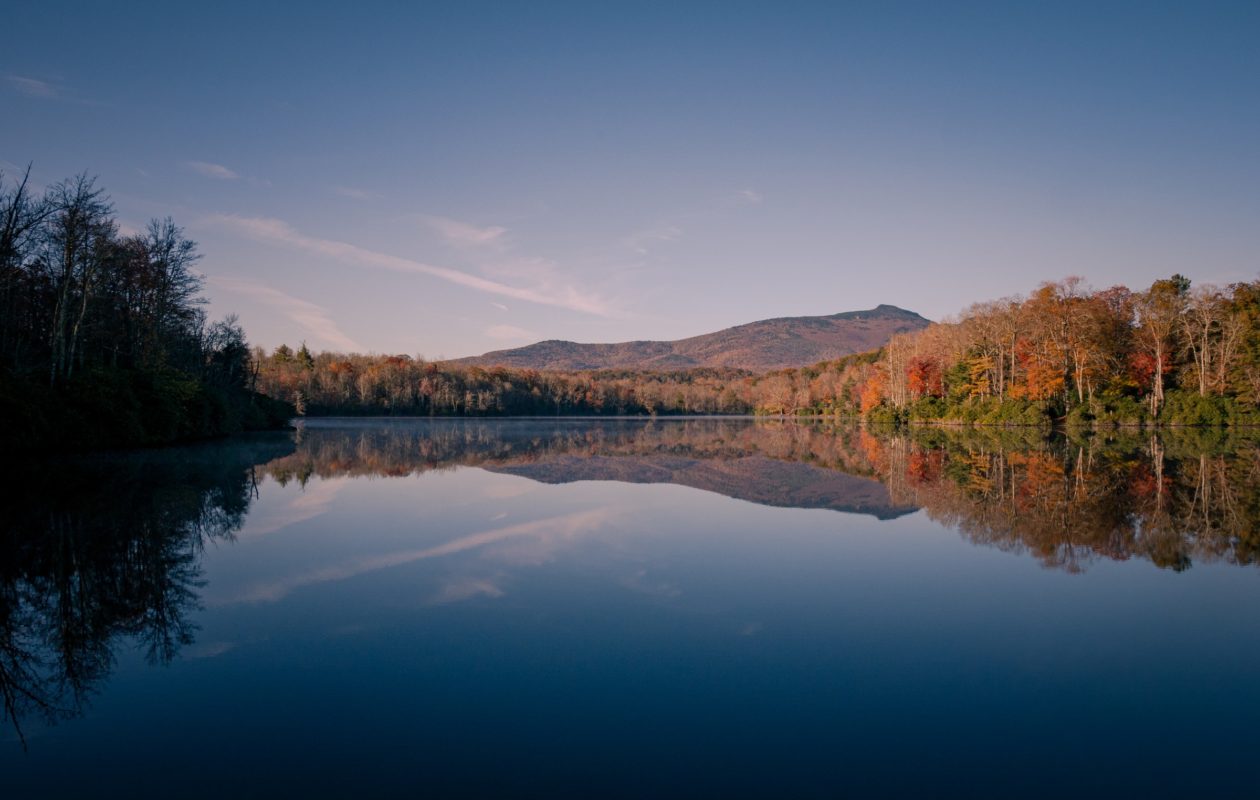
pixel 443 179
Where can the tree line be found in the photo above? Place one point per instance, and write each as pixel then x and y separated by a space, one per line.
pixel 357 384
pixel 1172 354
pixel 1065 354
pixel 103 338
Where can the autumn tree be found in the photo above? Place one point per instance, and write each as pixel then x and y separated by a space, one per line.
pixel 1200 323
pixel 1158 312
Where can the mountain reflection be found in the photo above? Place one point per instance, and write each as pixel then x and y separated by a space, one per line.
pixel 100 552
pixel 1172 498
pixel 97 551
pixel 773 464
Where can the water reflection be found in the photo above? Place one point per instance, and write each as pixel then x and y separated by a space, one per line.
pixel 97 553
pixel 1171 498
pixel 768 463
pixel 102 550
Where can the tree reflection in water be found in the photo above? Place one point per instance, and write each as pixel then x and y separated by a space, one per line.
pixel 1171 497
pixel 102 550
pixel 95 553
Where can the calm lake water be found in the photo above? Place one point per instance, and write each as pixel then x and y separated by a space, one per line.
pixel 635 608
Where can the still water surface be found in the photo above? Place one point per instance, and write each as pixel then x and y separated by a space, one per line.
pixel 633 608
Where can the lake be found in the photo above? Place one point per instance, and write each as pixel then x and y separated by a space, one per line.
pixel 608 608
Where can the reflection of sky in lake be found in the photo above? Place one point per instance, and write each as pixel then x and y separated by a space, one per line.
pixel 464 632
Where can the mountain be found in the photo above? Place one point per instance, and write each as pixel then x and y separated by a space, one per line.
pixel 758 346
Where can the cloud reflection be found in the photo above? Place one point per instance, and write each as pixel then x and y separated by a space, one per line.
pixel 315 500
pixel 551 530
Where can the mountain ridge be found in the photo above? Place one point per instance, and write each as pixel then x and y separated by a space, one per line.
pixel 760 346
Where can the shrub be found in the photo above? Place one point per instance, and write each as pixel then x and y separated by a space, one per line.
pixel 884 414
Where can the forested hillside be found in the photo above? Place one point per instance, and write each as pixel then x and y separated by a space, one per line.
pixel 767 344
pixel 103 341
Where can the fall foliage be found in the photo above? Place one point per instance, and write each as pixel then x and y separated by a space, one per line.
pixel 1064 354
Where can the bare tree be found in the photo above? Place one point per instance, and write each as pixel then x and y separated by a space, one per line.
pixel 21 214
pixel 75 247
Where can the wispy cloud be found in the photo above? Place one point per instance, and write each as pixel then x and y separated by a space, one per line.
pixel 509 333
pixel 209 170
pixel 46 89
pixel 309 317
pixel 354 193
pixel 463 234
pixel 279 232
pixel 530 270
pixel 32 87
pixel 641 241
pixel 750 196
pixel 499 306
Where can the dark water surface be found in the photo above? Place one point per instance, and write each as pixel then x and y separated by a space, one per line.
pixel 631 608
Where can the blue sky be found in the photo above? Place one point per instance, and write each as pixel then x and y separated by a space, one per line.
pixel 445 179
